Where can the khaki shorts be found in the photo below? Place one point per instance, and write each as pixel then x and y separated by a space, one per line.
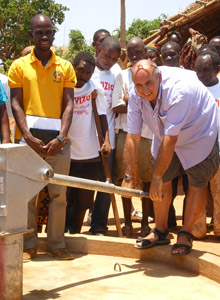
pixel 145 160
pixel 199 174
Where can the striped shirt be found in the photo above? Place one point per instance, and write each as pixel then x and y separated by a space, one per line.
pixel 185 108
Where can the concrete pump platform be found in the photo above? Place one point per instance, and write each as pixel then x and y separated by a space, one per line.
pixel 108 267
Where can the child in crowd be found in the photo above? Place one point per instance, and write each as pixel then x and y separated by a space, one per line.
pixel 107 56
pixel 84 141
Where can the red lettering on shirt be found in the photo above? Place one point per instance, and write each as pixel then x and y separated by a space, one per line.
pixel 80 100
pixel 107 86
pixel 77 100
pixel 218 102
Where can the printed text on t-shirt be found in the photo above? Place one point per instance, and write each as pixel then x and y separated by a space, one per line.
pixel 107 86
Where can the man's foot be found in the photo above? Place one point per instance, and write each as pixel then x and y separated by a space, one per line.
pixel 155 238
pixel 127 230
pixel 145 230
pixel 183 245
pixel 61 253
pixel 29 254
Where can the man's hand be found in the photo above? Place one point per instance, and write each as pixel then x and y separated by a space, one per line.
pixel 155 188
pixel 163 30
pixel 53 147
pixel 126 98
pixel 36 144
pixel 106 149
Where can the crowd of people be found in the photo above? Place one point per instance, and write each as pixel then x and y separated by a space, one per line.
pixel 158 127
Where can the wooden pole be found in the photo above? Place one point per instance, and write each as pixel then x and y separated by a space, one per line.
pixel 105 163
pixel 123 26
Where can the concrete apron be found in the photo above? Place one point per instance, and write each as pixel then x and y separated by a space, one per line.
pixel 205 264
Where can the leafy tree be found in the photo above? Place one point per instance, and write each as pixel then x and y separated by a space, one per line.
pixel 141 28
pixel 77 43
pixel 15 16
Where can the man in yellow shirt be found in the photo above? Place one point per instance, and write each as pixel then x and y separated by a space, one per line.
pixel 42 101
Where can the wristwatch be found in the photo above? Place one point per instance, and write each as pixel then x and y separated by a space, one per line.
pixel 128 177
pixel 60 139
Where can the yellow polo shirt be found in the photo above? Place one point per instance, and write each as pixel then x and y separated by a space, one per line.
pixel 42 86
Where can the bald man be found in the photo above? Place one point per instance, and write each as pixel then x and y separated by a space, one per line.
pixel 182 115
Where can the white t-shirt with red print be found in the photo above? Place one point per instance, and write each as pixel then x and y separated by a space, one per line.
pixel 107 80
pixel 82 132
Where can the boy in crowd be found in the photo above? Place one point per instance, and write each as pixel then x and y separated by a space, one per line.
pixel 207 67
pixel 170 53
pixel 215 42
pixel 98 38
pixel 108 54
pixel 85 146
pixel 136 51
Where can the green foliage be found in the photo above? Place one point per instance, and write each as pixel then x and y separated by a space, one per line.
pixel 141 28
pixel 15 16
pixel 2 71
pixel 77 43
pixel 7 64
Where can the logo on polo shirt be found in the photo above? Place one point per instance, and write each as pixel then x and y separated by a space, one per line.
pixel 57 76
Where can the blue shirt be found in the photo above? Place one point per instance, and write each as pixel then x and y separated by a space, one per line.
pixel 3 96
pixel 185 108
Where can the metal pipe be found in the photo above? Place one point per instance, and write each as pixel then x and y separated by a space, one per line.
pixel 92 185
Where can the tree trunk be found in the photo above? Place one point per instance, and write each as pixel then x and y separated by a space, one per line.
pixel 123 29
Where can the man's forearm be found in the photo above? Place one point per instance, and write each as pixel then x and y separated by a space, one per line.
pixel 121 109
pixel 165 155
pixel 66 121
pixel 131 152
pixel 18 111
pixel 67 114
pixel 104 127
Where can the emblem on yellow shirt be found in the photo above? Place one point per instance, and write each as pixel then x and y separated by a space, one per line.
pixel 57 76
